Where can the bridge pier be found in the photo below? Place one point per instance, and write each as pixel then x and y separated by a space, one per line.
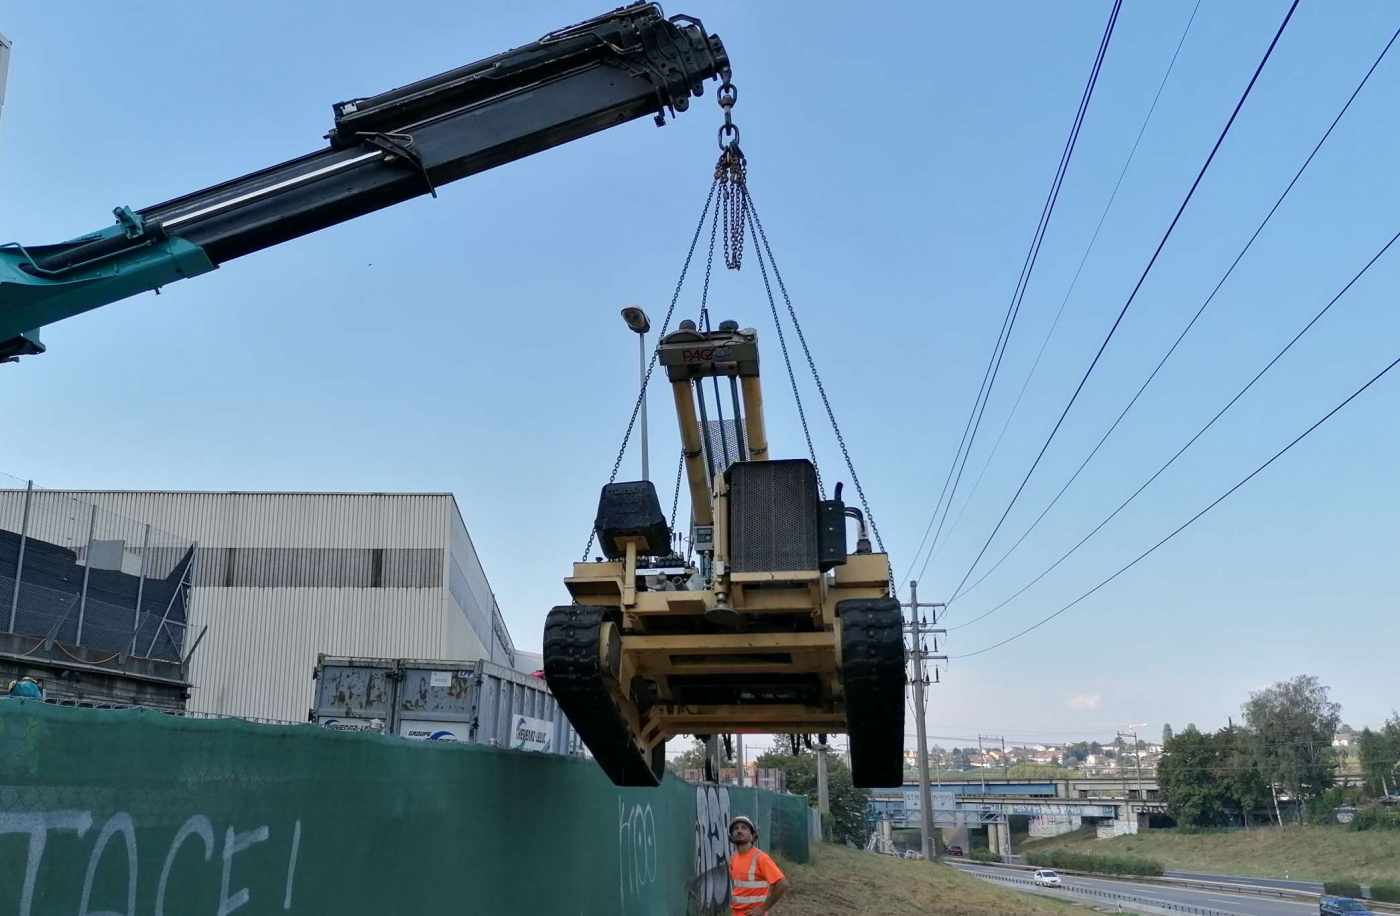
pixel 999 838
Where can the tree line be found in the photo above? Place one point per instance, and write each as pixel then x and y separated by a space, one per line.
pixel 1283 749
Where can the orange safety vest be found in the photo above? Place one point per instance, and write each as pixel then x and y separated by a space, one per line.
pixel 748 887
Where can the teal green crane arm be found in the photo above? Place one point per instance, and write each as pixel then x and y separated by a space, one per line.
pixel 32 297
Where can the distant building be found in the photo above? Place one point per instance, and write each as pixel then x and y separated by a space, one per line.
pixel 281 577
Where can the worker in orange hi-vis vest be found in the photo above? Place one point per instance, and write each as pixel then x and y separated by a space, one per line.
pixel 755 881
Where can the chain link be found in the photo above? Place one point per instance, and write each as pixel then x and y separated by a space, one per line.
pixel 767 249
pixel 676 496
pixel 736 209
pixel 665 325
pixel 732 174
pixel 727 95
pixel 701 321
pixel 734 204
pixel 792 376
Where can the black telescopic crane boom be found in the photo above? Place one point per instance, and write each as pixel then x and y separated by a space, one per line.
pixel 382 150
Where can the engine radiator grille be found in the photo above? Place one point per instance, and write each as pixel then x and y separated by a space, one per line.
pixel 772 516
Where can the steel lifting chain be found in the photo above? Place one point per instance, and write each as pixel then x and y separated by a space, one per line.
pixel 701 321
pixel 767 249
pixel 732 172
pixel 830 415
pixel 665 325
pixel 735 207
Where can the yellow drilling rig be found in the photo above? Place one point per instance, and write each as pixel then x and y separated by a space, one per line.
pixel 771 626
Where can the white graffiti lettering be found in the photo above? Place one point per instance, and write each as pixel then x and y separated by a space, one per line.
pixel 710 886
pixel 234 843
pixel 198 825
pixel 636 848
pixel 118 823
pixel 37 825
pixel 292 864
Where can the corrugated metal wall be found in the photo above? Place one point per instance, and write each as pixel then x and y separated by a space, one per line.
pixel 236 519
pixel 282 577
pixel 262 643
pixel 471 591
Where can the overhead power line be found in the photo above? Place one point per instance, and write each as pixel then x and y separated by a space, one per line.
pixel 1189 325
pixel 1074 281
pixel 1008 322
pixel 1189 442
pixel 1133 295
pixel 1193 519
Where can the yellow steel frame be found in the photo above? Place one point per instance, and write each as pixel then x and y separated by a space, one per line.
pixel 659 655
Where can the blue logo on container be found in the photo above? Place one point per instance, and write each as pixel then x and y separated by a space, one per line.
pixel 442 736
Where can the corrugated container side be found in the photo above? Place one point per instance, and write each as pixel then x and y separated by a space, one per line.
pixel 354 694
pixel 433 699
pixel 507 693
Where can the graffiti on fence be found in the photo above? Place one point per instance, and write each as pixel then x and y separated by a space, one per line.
pixel 117 837
pixel 709 886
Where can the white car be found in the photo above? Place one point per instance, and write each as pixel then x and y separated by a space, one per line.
pixel 1047 877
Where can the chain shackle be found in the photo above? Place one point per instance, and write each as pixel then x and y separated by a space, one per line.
pixel 727 95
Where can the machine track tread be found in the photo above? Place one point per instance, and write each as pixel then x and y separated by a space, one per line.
pixel 873 678
pixel 575 674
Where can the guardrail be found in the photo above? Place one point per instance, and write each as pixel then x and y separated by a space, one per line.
pixel 1121 898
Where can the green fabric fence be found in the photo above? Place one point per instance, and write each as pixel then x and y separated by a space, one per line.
pixel 132 812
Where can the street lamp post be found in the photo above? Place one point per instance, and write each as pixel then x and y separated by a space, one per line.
pixel 638 322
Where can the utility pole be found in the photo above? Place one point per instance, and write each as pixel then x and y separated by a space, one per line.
pixel 823 798
pixel 739 751
pixel 1137 760
pixel 1005 773
pixel 917 630
pixel 1137 756
pixel 1122 772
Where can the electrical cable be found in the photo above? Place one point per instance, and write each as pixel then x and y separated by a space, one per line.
pixel 979 404
pixel 1132 295
pixel 1079 269
pixel 1186 524
pixel 1190 324
pixel 1192 441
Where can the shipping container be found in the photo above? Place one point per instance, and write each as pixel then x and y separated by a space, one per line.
pixel 476 702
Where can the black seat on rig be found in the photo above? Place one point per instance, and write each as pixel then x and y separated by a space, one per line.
pixel 631 510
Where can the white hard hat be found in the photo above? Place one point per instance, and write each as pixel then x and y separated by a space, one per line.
pixel 741 819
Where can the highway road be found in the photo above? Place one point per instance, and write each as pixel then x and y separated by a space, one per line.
pixel 1154 897
pixel 1312 887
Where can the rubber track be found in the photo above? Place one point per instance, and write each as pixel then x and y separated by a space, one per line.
pixel 575 677
pixel 872 675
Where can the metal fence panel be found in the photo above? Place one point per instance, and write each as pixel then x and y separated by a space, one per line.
pixel 209 816
pixel 78 575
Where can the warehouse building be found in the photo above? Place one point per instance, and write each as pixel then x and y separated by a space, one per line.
pixel 279 578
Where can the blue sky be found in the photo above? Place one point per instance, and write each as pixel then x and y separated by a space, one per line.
pixel 472 343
